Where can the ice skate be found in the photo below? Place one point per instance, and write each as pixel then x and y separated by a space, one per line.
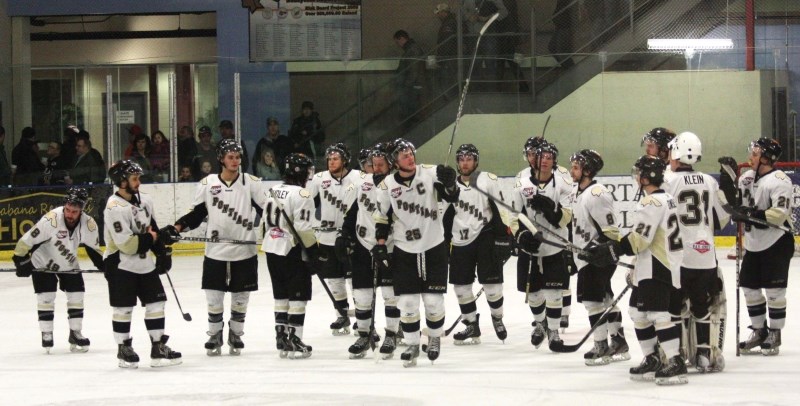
pixel 564 323
pixel 772 344
pixel 619 347
pixel 163 356
pixel 235 343
pixel 702 360
pixel 673 373
pixel 554 340
pixel 126 355
pixel 282 341
pixel 341 327
pixel 470 335
pixel 538 334
pixel 756 338
pixel 77 342
pixel 646 371
pixel 499 328
pixel 434 348
pixel 410 355
pixel 389 345
pixel 359 349
pixel 599 355
pixel 47 341
pixel 297 348
pixel 214 344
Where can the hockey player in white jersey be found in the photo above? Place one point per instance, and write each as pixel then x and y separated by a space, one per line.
pixel 290 245
pixel 130 232
pixel 409 199
pixel 542 272
pixel 700 212
pixel 594 222
pixel 766 195
pixel 655 240
pixel 51 245
pixel 481 243
pixel 334 192
pixel 230 200
pixel 532 144
pixel 355 240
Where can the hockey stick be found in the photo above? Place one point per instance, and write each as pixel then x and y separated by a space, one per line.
pixel 460 316
pixel 47 270
pixel 466 84
pixel 600 321
pixel 372 343
pixel 574 249
pixel 731 210
pixel 296 236
pixel 186 316
pixel 217 240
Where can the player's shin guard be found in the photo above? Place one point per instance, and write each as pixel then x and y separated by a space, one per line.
pixel 434 313
pixel 45 304
pixel 466 301
pixel 77 342
pixel 776 304
pixel 239 302
pixel 215 304
pixel 409 317
pixel 494 297
pixel 757 310
pixel 338 288
pixel 121 323
pixel 566 308
pixel 363 304
pixel 154 320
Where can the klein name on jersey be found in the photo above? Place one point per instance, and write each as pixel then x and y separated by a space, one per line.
pixel 231 212
pixel 337 203
pixel 693 180
pixel 701 246
pixel 472 210
pixel 415 208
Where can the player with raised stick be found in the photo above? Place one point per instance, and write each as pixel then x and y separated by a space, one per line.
pixel 51 246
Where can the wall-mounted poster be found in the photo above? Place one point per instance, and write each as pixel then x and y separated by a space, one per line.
pixel 298 30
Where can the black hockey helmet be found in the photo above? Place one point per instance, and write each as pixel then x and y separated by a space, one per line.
pixel 228 145
pixel 546 147
pixel 651 168
pixel 770 148
pixel 381 150
pixel 77 196
pixel 121 170
pixel 661 137
pixel 589 161
pixel 363 156
pixel 468 150
pixel 399 145
pixel 532 144
pixel 296 168
pixel 341 149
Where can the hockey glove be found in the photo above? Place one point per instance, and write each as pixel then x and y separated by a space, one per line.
pixel 344 246
pixel 380 257
pixel 747 214
pixel 24 265
pixel 502 248
pixel 164 261
pixel 529 242
pixel 604 254
pixel 311 258
pixel 548 208
pixel 727 184
pixel 169 235
pixel 447 177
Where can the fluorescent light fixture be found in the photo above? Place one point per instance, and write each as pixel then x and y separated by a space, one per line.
pixel 677 44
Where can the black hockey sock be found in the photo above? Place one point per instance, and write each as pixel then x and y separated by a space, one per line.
pixel 73 314
pixel 297 319
pixel 392 312
pixel 410 327
pixel 281 318
pixel 46 315
pixel 703 331
pixel 469 308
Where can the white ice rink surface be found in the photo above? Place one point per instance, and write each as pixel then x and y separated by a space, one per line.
pixel 491 373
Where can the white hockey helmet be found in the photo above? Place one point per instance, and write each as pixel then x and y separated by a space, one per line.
pixel 686 148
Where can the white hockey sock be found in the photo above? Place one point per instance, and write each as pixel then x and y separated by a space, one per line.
pixel 466 301
pixel 363 304
pixel 46 305
pixel 239 302
pixel 154 319
pixel 409 316
pixel 434 313
pixel 121 322
pixel 553 302
pixel 216 306
pixel 776 303
pixel 75 310
pixel 494 297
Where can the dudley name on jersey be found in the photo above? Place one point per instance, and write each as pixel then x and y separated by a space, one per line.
pixel 656 239
pixel 593 215
pixel 299 208
pixel 335 197
pixel 124 221
pixel 54 246
pixel 772 192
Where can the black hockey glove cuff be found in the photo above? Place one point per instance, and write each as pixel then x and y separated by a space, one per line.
pixel 24 265
pixel 169 235
pixel 604 254
pixel 164 261
pixel 528 242
pixel 447 177
pixel 344 246
pixel 726 183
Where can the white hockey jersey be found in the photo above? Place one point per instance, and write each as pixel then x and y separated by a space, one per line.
pixel 472 211
pixel 558 189
pixel 773 193
pixel 656 239
pixel 335 197
pixel 415 210
pixel 699 202
pixel 123 220
pixel 230 214
pixel 57 246
pixel 592 214
pixel 367 205
pixel 299 207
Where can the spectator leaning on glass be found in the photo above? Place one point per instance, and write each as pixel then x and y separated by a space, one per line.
pixel 187 146
pixel 26 157
pixel 141 155
pixel 273 140
pixel 57 165
pixel 159 155
pixel 89 166
pixel 133 131
pixel 267 167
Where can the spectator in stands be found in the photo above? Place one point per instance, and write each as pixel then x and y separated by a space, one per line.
pixel 5 167
pixel 133 131
pixel 89 166
pixel 226 133
pixel 267 167
pixel 26 156
pixel 206 166
pixel 307 130
pixel 159 154
pixel 410 76
pixel 185 174
pixel 56 169
pixel 205 151
pixel 187 146
pixel 68 140
pixel 273 140
pixel 141 155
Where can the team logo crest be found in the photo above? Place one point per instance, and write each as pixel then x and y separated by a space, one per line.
pixel 276 233
pixel 61 234
pixel 701 246
pixel 396 192
pixel 527 192
pixel 747 181
pixel 366 186
pixel 215 190
pixel 326 184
